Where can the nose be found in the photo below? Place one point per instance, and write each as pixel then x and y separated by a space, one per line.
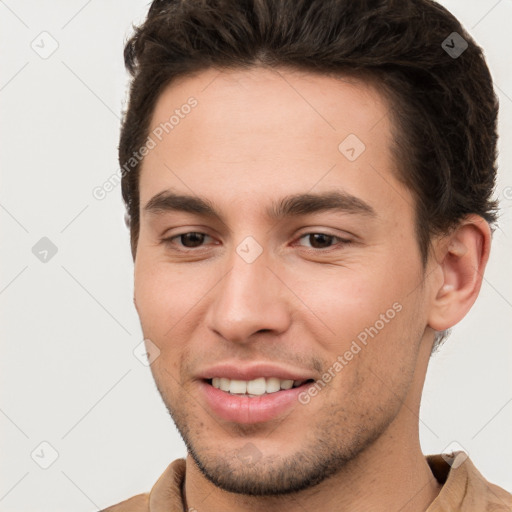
pixel 249 299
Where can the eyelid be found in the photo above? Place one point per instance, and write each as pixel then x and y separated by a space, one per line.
pixel 313 230
pixel 342 241
pixel 168 240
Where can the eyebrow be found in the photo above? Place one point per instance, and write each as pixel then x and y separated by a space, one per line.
pixel 288 206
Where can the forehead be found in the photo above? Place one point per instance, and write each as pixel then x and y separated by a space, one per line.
pixel 257 133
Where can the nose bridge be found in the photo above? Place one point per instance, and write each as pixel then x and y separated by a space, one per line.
pixel 249 297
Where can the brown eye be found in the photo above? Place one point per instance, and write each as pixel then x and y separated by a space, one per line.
pixel 322 241
pixel 191 239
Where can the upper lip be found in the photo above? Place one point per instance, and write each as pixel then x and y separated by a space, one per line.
pixel 244 371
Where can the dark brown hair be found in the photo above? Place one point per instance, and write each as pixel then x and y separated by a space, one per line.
pixel 444 109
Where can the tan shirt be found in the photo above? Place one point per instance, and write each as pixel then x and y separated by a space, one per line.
pixel 464 490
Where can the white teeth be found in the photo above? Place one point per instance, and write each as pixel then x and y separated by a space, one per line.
pixel 224 384
pixel 238 387
pixel 273 385
pixel 255 387
pixel 286 384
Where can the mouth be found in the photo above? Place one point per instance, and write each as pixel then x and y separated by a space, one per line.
pixel 253 392
pixel 255 387
pixel 255 401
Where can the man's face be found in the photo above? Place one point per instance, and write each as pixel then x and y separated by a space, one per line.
pixel 332 295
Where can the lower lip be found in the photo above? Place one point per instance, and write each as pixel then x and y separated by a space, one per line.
pixel 247 410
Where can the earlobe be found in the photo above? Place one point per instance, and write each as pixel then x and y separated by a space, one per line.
pixel 464 256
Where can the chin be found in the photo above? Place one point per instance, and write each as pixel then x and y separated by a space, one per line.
pixel 263 476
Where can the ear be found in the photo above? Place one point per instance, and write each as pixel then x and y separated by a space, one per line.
pixel 461 258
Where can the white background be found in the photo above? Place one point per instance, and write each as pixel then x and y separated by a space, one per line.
pixel 68 329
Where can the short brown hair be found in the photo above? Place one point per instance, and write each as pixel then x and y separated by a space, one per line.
pixel 443 106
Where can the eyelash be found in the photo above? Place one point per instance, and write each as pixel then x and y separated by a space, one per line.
pixel 341 241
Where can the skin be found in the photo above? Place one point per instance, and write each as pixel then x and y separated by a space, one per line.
pixel 256 136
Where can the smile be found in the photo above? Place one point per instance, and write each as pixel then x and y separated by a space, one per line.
pixel 248 401
pixel 255 387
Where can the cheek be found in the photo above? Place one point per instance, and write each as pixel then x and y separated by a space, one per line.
pixel 373 319
pixel 162 297
pixel 171 302
pixel 348 301
pixel 162 300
